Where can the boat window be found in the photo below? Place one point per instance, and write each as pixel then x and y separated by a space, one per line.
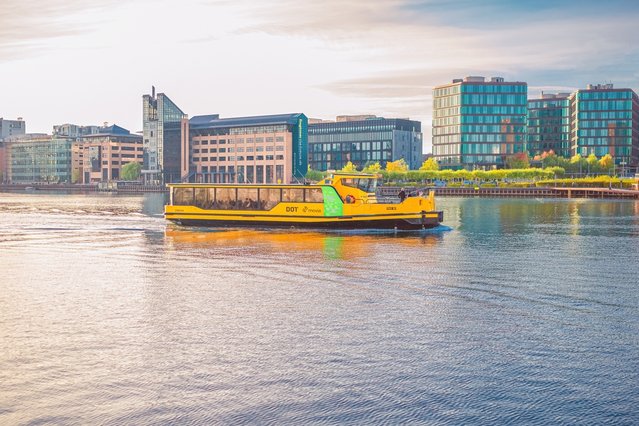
pixel 210 199
pixel 348 182
pixel 269 198
pixel 182 196
pixel 292 195
pixel 367 185
pixel 247 198
pixel 225 198
pixel 200 198
pixel 314 195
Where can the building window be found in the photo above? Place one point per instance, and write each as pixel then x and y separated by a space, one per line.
pixel 259 174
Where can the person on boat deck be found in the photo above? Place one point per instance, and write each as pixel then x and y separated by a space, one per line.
pixel 401 195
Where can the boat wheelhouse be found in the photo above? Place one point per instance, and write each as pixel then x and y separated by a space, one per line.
pixel 341 201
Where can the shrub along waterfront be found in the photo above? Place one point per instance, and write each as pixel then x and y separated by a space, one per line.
pixel 552 171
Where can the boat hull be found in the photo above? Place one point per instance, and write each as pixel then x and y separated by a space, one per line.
pixel 429 220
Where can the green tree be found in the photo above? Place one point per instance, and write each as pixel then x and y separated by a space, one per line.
pixel 314 175
pixel 131 171
pixel 576 159
pixel 593 163
pixel 430 164
pixel 349 168
pixel 75 175
pixel 606 163
pixel 372 168
pixel 518 161
pixel 397 166
pixel 577 164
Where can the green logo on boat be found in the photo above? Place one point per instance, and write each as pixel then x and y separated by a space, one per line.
pixel 333 205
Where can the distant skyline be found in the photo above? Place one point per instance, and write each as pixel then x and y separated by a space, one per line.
pixel 90 61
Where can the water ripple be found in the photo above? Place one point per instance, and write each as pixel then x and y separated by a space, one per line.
pixel 518 311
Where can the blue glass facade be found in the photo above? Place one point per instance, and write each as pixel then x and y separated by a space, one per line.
pixel 549 125
pixel 477 123
pixel 605 121
pixel 333 144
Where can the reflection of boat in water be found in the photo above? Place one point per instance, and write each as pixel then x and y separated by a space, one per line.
pixel 341 201
pixel 342 245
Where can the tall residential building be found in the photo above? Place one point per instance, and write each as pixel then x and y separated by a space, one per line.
pixel 12 128
pixel 39 158
pixel 164 138
pixel 99 157
pixel 478 123
pixel 549 124
pixel 605 120
pixel 363 140
pixel 262 149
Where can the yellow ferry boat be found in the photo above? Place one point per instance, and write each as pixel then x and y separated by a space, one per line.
pixel 341 201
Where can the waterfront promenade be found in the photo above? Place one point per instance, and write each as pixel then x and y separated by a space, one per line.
pixel 64 187
pixel 387 192
pixel 532 192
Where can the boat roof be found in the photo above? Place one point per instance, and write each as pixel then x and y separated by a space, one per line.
pixel 355 175
pixel 245 185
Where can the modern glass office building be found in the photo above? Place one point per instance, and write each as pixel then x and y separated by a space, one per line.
pixel 163 128
pixel 332 144
pixel 549 124
pixel 40 158
pixel 260 149
pixel 605 120
pixel 478 123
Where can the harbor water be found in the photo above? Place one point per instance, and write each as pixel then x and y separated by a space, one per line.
pixel 518 311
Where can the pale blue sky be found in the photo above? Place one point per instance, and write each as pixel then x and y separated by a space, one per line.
pixel 90 61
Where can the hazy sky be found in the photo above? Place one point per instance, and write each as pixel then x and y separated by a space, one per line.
pixel 90 61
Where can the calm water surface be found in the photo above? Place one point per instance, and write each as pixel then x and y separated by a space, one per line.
pixel 521 312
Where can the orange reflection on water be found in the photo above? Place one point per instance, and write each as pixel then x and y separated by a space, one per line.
pixel 331 245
